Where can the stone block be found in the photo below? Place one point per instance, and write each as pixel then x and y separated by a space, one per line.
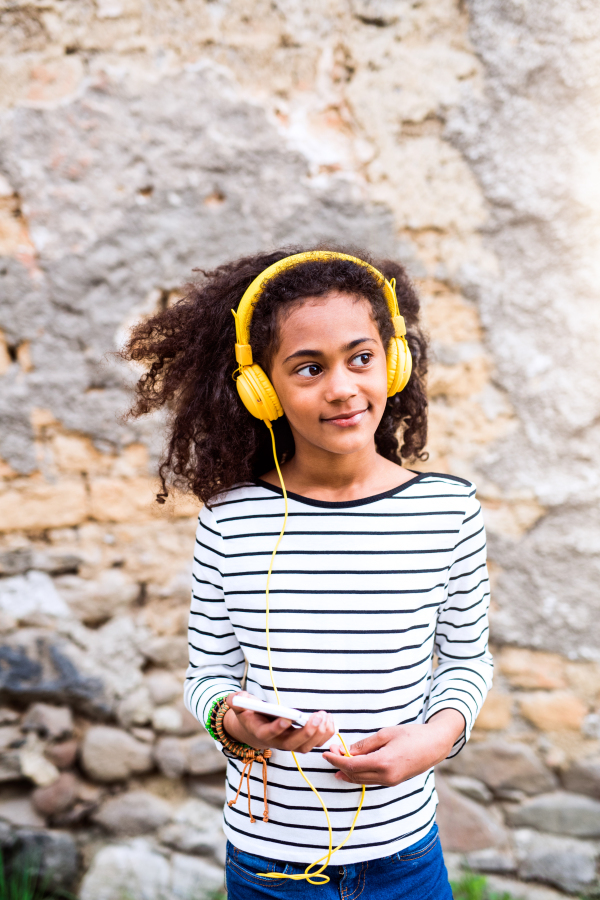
pixel 501 862
pixel 195 755
pixel 164 686
pixel 174 718
pixel 137 872
pixel 133 813
pixel 62 754
pixel 136 708
pixel 56 798
pixel 93 601
pixel 35 765
pixel 503 767
pixel 532 669
pixel 122 499
pixel 565 862
pixel 52 856
pixel 193 877
pixel 583 776
pixel 16 562
pixel 170 754
pixel 10 767
pixel 203 756
pixel 559 813
pixel 376 12
pixel 7 836
pixel 31 597
pixel 11 736
pixel 471 787
pixel 502 886
pixel 465 825
pixel 496 712
pixel 11 739
pixel 20 811
pixel 45 666
pixel 196 828
pixel 35 504
pixel 109 754
pixel 48 721
pixel 146 735
pixel 166 650
pixel 554 711
pixel 584 679
pixel 212 793
pixel 590 727
pixel 167 718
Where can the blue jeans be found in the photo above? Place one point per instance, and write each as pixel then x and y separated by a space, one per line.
pixel 415 873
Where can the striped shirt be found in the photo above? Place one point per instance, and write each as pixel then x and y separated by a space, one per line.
pixel 363 594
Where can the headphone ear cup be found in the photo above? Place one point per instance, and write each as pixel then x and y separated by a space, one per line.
pixel 399 365
pixel 258 394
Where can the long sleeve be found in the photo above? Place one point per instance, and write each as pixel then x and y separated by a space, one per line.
pixel 216 659
pixel 464 672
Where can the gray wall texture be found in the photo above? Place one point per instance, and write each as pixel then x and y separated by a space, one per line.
pixel 464 140
pixel 533 139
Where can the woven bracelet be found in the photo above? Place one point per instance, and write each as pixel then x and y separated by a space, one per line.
pixel 247 754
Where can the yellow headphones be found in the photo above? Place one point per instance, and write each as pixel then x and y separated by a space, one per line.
pixel 254 387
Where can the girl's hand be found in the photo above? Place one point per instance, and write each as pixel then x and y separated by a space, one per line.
pixel 262 732
pixel 396 754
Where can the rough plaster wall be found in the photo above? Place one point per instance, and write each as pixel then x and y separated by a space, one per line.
pixel 144 139
pixel 200 176
pixel 533 141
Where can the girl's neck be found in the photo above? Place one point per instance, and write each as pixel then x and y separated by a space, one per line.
pixel 320 475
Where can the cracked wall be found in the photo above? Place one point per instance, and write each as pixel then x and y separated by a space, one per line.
pixel 533 142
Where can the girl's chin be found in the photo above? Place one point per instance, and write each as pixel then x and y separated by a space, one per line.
pixel 346 442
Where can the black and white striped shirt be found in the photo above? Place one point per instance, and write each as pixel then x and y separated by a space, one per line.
pixel 363 593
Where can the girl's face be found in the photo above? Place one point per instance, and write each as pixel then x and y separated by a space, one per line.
pixel 330 373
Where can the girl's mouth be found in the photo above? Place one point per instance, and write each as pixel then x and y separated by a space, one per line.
pixel 345 420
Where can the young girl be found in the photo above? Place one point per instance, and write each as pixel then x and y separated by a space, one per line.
pixel 376 568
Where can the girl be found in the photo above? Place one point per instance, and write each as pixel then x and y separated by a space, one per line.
pixel 377 567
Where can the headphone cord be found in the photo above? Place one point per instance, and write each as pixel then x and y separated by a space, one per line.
pixel 312 877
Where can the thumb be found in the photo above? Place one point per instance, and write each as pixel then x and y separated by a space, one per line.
pixel 369 744
pixel 230 699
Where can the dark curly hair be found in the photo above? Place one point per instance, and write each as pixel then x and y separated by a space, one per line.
pixel 214 443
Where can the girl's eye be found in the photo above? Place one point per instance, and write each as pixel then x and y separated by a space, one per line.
pixel 310 371
pixel 363 359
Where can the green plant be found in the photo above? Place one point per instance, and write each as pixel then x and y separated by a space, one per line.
pixel 592 893
pixel 25 883
pixel 475 887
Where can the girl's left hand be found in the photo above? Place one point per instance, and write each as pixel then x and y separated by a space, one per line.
pixel 396 754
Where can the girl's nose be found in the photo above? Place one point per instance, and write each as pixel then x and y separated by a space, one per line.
pixel 340 385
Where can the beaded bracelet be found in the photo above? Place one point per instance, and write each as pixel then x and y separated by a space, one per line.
pixel 247 754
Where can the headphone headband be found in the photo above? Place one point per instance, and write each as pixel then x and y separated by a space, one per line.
pixel 245 310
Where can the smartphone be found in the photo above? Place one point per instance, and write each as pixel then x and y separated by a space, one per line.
pixel 272 710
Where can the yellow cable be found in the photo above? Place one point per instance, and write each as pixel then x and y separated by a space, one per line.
pixel 312 877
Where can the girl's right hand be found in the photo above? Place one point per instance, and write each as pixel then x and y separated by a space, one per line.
pixel 262 732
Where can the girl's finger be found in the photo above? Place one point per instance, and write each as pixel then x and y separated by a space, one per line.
pixel 279 726
pixel 304 739
pixel 336 749
pixel 321 736
pixel 268 732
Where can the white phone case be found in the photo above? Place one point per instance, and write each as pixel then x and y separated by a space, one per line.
pixel 272 709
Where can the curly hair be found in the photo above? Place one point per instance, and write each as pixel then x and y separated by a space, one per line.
pixel 189 352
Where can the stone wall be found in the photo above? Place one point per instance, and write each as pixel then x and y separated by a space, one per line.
pixel 139 140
